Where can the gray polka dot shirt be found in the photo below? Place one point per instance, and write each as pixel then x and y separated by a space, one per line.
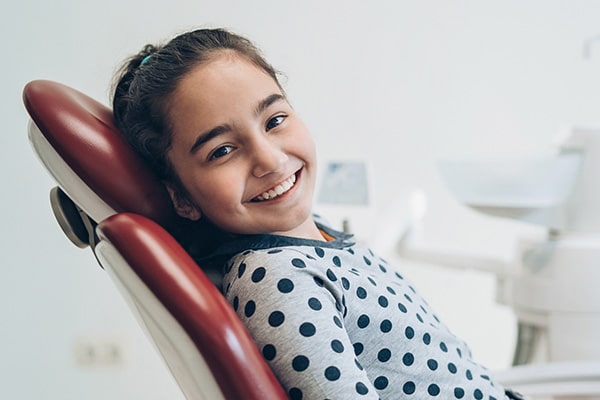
pixel 335 321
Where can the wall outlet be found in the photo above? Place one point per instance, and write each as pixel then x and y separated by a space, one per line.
pixel 98 351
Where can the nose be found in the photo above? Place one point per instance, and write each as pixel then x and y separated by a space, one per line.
pixel 268 157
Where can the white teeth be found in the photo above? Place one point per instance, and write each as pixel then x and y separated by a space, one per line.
pixel 278 190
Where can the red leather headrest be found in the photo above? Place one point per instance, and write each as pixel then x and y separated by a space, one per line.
pixel 82 132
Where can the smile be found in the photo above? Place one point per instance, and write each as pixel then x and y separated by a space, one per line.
pixel 278 190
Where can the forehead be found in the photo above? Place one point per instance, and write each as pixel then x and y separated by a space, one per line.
pixel 227 79
pixel 226 90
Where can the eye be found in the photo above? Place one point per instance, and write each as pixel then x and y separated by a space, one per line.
pixel 220 152
pixel 275 122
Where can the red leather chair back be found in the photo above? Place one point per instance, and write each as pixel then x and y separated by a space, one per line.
pixel 82 132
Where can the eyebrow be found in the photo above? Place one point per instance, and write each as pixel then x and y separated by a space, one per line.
pixel 221 129
pixel 209 135
pixel 264 104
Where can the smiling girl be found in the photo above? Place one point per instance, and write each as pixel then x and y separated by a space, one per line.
pixel 333 319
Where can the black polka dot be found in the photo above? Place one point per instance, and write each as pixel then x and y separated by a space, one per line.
pixel 407 297
pixel 408 359
pixel 385 326
pixel 372 281
pixel 409 387
pixel 298 263
pixel 433 389
pixel 314 304
pixel 269 352
pixel 276 318
pixel 419 318
pixel 285 285
pixel 332 373
pixel 358 364
pixel 443 347
pixel 361 293
pixel 384 355
pixel 459 393
pixel 300 363
pixel 409 332
pixel 363 321
pixel 391 290
pixel 402 308
pixel 336 261
pixel 295 394
pixel 381 382
pixel 367 260
pixel 452 368
pixel 249 309
pixel 469 375
pixel 331 276
pixel 318 281
pixel 345 283
pixel 361 388
pixel 236 303
pixel 273 251
pixel 241 270
pixel 307 329
pixel 358 348
pixel 382 268
pixel 383 301
pixel 337 346
pixel 337 321
pixel 427 338
pixel 320 252
pixel 398 275
pixel 432 364
pixel 258 274
pixel 478 394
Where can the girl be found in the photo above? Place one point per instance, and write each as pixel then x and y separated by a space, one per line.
pixel 333 320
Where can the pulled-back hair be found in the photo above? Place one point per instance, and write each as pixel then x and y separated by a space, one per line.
pixel 145 83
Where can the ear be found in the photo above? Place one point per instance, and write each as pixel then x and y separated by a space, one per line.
pixel 182 205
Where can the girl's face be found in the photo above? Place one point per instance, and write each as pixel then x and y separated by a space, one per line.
pixel 245 158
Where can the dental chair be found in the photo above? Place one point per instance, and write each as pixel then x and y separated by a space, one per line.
pixel 107 199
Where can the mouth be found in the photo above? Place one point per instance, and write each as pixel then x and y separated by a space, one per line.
pixel 278 190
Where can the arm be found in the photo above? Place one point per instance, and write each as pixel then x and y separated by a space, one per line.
pixel 295 315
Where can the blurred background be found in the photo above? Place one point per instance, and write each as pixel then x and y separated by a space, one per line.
pixel 393 85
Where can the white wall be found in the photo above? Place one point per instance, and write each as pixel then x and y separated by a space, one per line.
pixel 396 83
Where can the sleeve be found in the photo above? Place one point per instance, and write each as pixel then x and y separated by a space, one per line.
pixel 295 314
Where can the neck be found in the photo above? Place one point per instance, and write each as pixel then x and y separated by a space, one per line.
pixel 307 230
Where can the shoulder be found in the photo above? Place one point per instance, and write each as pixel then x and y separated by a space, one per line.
pixel 274 270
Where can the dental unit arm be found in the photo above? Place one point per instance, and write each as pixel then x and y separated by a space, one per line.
pixel 552 283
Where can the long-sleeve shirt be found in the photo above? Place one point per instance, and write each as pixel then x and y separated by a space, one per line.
pixel 335 321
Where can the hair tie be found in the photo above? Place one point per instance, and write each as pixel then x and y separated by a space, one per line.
pixel 145 59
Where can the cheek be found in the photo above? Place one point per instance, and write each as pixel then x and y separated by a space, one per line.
pixel 216 189
pixel 305 144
